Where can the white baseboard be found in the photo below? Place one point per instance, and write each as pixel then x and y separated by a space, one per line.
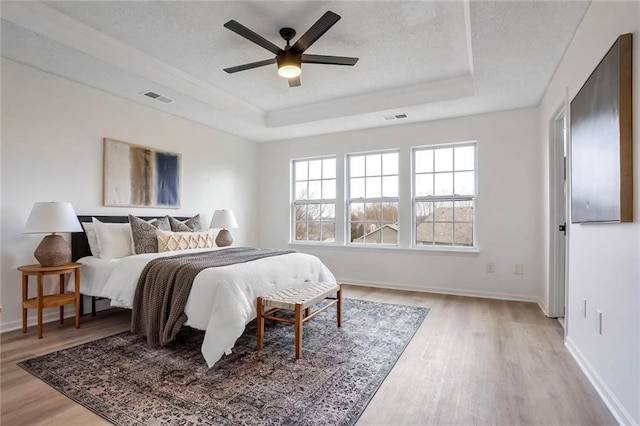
pixel 621 415
pixel 543 307
pixel 440 290
pixel 32 321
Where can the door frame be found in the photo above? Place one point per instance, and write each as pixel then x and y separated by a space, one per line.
pixel 558 203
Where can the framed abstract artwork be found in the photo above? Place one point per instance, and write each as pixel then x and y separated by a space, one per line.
pixel 601 141
pixel 139 176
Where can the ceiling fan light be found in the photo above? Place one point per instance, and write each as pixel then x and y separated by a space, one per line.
pixel 289 71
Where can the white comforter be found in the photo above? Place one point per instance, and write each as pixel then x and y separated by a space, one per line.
pixel 222 300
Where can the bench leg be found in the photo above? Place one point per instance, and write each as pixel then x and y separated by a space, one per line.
pixel 260 322
pixel 339 307
pixel 298 333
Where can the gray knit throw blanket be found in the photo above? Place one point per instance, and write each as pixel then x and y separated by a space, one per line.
pixel 165 284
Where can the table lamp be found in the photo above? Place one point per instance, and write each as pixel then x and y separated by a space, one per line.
pixel 224 219
pixel 52 217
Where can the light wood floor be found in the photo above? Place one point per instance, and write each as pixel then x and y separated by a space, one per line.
pixel 472 362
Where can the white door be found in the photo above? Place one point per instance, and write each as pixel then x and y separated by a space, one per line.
pixel 557 212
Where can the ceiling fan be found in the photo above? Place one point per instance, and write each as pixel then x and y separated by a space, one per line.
pixel 291 58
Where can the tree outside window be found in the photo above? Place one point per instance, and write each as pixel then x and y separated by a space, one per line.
pixel 444 198
pixel 314 200
pixel 373 198
pixel 444 194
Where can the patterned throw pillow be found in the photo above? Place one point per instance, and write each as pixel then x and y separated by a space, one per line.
pixel 172 241
pixel 189 225
pixel 144 233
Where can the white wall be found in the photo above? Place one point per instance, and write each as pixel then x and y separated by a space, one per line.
pixel 52 132
pixel 509 225
pixel 604 259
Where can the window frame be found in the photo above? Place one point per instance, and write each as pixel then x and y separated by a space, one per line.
pixel 294 203
pixel 348 200
pixel 452 198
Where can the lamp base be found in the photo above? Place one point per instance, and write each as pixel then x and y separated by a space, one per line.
pixel 53 251
pixel 224 238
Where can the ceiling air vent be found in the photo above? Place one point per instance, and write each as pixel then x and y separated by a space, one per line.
pixel 395 117
pixel 157 97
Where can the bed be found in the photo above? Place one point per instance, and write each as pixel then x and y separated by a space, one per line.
pixel 222 299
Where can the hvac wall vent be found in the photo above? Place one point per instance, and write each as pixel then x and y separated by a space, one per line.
pixel 157 97
pixel 395 117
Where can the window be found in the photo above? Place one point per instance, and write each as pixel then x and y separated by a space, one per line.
pixel 314 200
pixel 373 198
pixel 444 195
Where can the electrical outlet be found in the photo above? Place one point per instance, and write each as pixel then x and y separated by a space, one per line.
pixel 583 308
pixel 519 269
pixel 599 322
pixel 491 267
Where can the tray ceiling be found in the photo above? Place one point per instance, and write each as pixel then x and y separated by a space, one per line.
pixel 429 60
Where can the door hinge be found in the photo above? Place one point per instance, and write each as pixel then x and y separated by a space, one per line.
pixel 563 228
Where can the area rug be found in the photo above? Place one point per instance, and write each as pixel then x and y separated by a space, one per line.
pixel 124 381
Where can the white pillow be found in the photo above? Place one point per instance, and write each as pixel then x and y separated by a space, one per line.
pixel 114 239
pixel 92 238
pixel 171 241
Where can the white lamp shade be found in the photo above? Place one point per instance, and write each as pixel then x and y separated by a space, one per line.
pixel 224 219
pixel 52 216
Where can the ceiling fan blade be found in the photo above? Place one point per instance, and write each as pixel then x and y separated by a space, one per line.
pixel 294 82
pixel 250 66
pixel 245 32
pixel 316 31
pixel 328 60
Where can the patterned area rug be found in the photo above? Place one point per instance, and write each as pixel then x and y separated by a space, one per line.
pixel 123 380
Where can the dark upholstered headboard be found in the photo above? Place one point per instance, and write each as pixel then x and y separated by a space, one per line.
pixel 79 242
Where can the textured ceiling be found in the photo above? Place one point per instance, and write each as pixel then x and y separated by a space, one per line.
pixel 190 36
pixel 429 59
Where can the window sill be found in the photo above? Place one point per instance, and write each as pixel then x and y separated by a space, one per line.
pixel 472 252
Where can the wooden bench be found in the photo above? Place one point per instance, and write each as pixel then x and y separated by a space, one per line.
pixel 297 299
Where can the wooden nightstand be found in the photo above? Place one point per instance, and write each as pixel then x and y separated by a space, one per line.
pixel 49 301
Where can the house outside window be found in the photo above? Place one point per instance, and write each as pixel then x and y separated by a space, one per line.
pixel 373 198
pixel 314 200
pixel 444 196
